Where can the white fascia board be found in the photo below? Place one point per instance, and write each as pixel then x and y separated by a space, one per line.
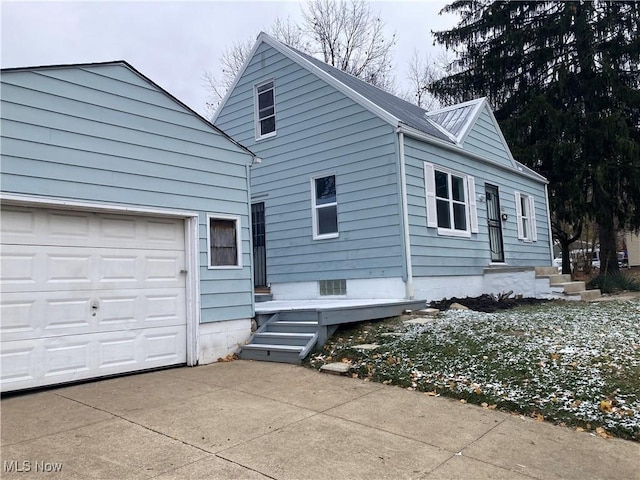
pixel 521 170
pixel 232 87
pixel 304 63
pixel 473 118
pixel 504 142
pixel 456 106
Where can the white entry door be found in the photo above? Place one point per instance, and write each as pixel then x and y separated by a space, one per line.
pixel 88 294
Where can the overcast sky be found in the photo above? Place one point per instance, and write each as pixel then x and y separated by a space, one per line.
pixel 174 42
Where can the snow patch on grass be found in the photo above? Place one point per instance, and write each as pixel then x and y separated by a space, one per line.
pixel 571 363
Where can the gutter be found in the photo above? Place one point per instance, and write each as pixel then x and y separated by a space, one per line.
pixel 405 218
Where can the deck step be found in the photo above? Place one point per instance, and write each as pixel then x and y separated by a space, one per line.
pixel 292 327
pixel 272 353
pixel 262 297
pixel 282 338
pixel 273 347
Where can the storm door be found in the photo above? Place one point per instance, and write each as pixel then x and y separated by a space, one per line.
pixel 259 245
pixel 494 223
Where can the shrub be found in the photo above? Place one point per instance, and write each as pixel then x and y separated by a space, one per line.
pixel 615 282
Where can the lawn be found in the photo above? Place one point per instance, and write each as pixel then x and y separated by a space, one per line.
pixel 571 363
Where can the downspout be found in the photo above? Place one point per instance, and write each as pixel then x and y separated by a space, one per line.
pixel 405 219
pixel 546 194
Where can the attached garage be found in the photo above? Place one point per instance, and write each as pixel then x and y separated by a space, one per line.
pixel 108 185
pixel 87 295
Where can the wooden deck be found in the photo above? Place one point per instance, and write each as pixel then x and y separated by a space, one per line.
pixel 289 330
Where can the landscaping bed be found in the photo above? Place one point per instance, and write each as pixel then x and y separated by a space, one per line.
pixel 571 363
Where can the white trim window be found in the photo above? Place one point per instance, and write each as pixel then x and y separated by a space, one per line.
pixel 324 206
pixel 451 201
pixel 224 241
pixel 526 217
pixel 265 113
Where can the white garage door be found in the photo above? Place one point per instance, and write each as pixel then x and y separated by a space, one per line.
pixel 89 294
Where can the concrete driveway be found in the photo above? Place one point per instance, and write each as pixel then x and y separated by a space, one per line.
pixel 258 420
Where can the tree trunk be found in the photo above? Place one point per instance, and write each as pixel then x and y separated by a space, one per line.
pixel 608 249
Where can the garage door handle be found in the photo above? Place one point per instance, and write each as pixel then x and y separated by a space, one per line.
pixel 183 272
pixel 95 304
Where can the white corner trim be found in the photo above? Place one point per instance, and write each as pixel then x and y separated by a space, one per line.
pixel 192 288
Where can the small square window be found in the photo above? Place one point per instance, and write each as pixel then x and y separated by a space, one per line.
pixel 224 242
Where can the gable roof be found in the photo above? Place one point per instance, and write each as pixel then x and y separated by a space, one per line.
pixel 127 65
pixel 439 126
pixel 405 112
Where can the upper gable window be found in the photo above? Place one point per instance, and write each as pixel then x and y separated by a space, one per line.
pixel 265 114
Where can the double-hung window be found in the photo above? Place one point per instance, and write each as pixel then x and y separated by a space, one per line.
pixel 324 206
pixel 451 203
pixel 526 217
pixel 224 241
pixel 265 113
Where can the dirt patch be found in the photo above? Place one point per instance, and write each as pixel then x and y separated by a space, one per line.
pixel 487 303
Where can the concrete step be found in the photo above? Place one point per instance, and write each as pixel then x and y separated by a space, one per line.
pixel 588 295
pixel 281 338
pixel 559 278
pixel 546 271
pixel 573 287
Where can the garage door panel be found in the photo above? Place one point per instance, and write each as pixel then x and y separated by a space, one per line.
pixel 63 359
pixel 85 311
pixel 25 226
pixel 87 294
pixel 29 268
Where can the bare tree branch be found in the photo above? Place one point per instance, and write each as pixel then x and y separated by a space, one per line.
pixel 345 34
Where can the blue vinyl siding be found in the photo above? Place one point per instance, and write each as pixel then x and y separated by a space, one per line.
pixel 433 254
pixel 484 139
pixel 104 134
pixel 319 131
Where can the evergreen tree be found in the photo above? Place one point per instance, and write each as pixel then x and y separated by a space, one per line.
pixel 564 80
